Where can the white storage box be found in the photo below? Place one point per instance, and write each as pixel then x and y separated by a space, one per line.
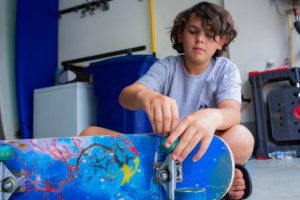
pixel 63 111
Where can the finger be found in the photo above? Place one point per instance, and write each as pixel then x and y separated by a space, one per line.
pixel 189 147
pixel 174 135
pixel 174 115
pixel 184 141
pixel 151 119
pixel 158 119
pixel 167 115
pixel 204 145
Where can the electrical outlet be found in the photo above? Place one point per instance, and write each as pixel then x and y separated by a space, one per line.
pixel 274 2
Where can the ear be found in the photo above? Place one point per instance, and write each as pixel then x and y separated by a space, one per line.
pixel 221 42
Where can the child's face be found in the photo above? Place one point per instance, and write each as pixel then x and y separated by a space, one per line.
pixel 198 47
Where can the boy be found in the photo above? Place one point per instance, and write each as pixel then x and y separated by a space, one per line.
pixel 196 94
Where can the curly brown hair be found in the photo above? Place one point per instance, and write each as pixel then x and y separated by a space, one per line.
pixel 219 20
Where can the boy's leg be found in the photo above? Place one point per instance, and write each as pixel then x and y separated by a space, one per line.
pixel 95 130
pixel 241 142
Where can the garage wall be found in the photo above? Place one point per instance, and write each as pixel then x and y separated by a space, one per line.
pixel 262 33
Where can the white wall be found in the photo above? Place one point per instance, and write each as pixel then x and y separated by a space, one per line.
pixel 262 33
pixel 262 36
pixel 126 24
pixel 105 31
pixel 8 105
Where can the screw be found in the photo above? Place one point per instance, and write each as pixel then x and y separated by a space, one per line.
pixel 8 185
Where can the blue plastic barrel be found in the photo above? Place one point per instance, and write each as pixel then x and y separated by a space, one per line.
pixel 110 76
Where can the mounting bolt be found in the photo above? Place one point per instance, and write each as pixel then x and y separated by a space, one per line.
pixel 9 184
pixel 163 176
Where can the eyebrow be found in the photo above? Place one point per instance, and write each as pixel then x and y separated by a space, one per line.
pixel 193 26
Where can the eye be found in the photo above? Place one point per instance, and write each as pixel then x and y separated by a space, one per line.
pixel 193 31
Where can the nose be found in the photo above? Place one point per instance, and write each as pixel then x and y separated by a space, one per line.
pixel 200 37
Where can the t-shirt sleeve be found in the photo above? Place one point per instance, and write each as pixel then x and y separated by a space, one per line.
pixel 155 77
pixel 229 85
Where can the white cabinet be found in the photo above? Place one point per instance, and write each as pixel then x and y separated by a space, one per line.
pixel 63 111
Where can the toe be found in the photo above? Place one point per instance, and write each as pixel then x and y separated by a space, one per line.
pixel 238 174
pixel 238 187
pixel 235 195
pixel 238 182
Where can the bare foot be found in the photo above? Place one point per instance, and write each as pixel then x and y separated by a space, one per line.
pixel 238 187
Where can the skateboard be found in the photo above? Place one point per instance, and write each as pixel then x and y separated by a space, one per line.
pixel 124 166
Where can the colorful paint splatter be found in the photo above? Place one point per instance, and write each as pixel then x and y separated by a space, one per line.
pixel 108 167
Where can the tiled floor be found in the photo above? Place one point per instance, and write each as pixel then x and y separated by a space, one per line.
pixel 275 179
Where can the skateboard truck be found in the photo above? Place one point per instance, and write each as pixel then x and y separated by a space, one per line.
pixel 169 172
pixel 8 182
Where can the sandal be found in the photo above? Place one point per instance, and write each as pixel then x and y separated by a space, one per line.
pixel 248 182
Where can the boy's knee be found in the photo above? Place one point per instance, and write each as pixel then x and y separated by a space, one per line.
pixel 89 131
pixel 95 130
pixel 246 138
pixel 240 141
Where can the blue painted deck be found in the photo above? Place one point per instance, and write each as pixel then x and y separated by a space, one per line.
pixel 109 167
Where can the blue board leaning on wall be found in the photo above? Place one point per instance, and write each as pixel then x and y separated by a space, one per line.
pixel 36 54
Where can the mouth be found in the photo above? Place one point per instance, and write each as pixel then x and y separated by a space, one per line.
pixel 198 49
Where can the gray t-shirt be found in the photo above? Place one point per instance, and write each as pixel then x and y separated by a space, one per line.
pixel 220 81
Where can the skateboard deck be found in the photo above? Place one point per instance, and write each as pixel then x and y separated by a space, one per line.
pixel 125 166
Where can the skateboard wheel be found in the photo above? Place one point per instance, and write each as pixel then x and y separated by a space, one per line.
pixel 190 193
pixel 6 152
pixel 171 148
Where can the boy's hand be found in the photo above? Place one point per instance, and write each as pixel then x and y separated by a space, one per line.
pixel 162 112
pixel 200 125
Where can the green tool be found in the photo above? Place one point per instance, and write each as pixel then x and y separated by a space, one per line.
pixel 170 149
pixel 6 152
